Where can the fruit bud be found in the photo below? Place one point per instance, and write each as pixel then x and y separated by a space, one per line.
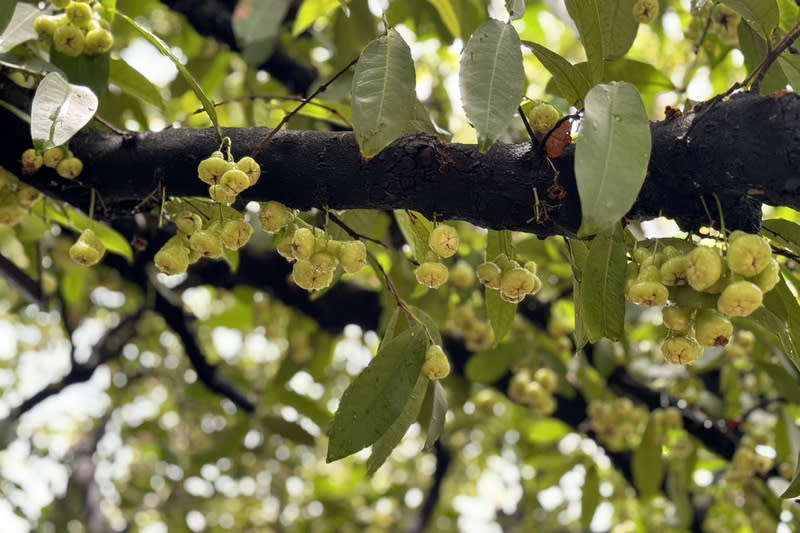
pixel 70 168
pixel 188 221
pixel 207 243
pixel 712 328
pixel 489 274
pixel 87 250
pixel 673 271
pixel 31 161
pixel 652 293
pixel 645 11
pixel 444 240
pixel 68 40
pixel 236 233
pixel 677 319
pixel 436 365
pixel 432 275
pixel 353 255
pixel 462 275
pixel 543 118
pixel 52 157
pixel 768 278
pixel 250 166
pixel 79 14
pixel 173 257
pixel 98 41
pixel 681 350
pixel 222 194
pixel 546 378
pixel 517 283
pixel 210 170
pixel 235 180
pixel 324 261
pixel 274 216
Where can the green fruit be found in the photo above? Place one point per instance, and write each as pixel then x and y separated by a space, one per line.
pixel 645 11
pixel 70 168
pixel 432 275
pixel 60 4
pixel 436 365
pixel 543 118
pixel 10 212
pixel 222 194
pixel 27 195
pixel 173 257
pixel 489 274
pixel 640 255
pixel 188 221
pixel 31 161
pixel 725 17
pixel 52 157
pixel 740 298
pixel 353 256
pixel 768 278
pixel 210 170
pixel 235 180
pixel 444 240
pixel 462 275
pixel 284 248
pixel 677 319
pixel 303 244
pixel 712 328
pixel 307 277
pixel 673 271
pixel 703 268
pixel 45 27
pixel 652 293
pixel 79 14
pixel 748 255
pixel 98 41
pixel 207 243
pixel 236 233
pixel 68 40
pixel 250 166
pixel 274 216
pixel 324 261
pixel 546 378
pixel 517 283
pixel 681 350
pixel 532 267
pixel 88 250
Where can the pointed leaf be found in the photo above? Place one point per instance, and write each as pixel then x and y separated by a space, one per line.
pixel 571 83
pixel 448 15
pixel 515 8
pixel 89 71
pixel 590 496
pixel 784 233
pixel 438 413
pixel 416 229
pixel 6 12
pixel 290 430
pixel 20 28
pixel 375 399
pixel 500 312
pixel 134 83
pixel 793 490
pixel 603 286
pixel 59 110
pixel 492 79
pixel 617 26
pixel 257 26
pixel 647 464
pixel 762 15
pixel 586 15
pixel 383 92
pixel 310 12
pixel 491 365
pixel 611 155
pixel 384 445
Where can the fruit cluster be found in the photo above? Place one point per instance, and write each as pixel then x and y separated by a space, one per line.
pixel 618 423
pixel 443 242
pixel 226 178
pixel 15 198
pixel 80 29
pixel 60 158
pixel 724 24
pixel 462 322
pixel 704 289
pixel 512 280
pixel 536 391
pixel 315 255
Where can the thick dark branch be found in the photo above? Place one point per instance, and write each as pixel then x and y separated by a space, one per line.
pixel 746 150
pixel 213 19
pixel 16 277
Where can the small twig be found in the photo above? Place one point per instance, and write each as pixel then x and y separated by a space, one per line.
pixel 322 88
pixel 758 74
pixel 543 144
pixel 108 125
pixel 703 36
pixel 360 236
pixel 534 142
pixel 285 97
pixel 390 285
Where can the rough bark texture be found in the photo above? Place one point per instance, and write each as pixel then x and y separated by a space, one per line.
pixel 746 150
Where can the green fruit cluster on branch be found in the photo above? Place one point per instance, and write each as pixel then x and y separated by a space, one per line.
pixel 704 289
pixel 535 390
pixel 81 29
pixel 88 250
pixel 618 423
pixel 443 243
pixel 514 282
pixel 15 198
pixel 226 178
pixel 59 158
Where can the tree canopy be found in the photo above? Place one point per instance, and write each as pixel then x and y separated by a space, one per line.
pixel 406 265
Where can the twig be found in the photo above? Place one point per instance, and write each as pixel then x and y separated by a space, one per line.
pixel 322 88
pixel 360 236
pixel 528 128
pixel 758 74
pixel 286 97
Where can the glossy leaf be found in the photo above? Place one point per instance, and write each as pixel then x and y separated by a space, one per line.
pixel 586 15
pixel 603 286
pixel 134 83
pixel 611 155
pixel 257 26
pixel 437 398
pixel 762 15
pixel 448 15
pixel 59 111
pixel 383 92
pixel 416 229
pixel 572 84
pixel 647 464
pixel 492 80
pixel 375 399
pixel 20 28
pixel 89 71
pixel 383 446
pixel 74 219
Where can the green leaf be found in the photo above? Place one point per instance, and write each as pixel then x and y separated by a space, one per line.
pixel 572 84
pixel 678 487
pixel 110 7
pixel 499 242
pixel 90 71
pixel 586 15
pixel 375 399
pixel 384 445
pixel 310 12
pixel 500 312
pixel 416 229
pixel 421 122
pixel 644 76
pixel 71 218
pixel 545 431
pixel 290 430
pixel 490 365
pixel 515 8
pixel 7 9
pixel 754 48
pixel 257 26
pixel 784 233
pixel 793 490
pixel 590 496
pixel 32 65
pixel 438 412
pixel 791 313
pixel 617 27
pixel 383 92
pixel 208 106
pixel 647 464
pixel 134 83
pixel 785 383
pixel 333 112
pixel 611 155
pixel 59 110
pixel 430 325
pixel 448 15
pixel 603 286
pixel 762 15
pixel 20 28
pixel 492 79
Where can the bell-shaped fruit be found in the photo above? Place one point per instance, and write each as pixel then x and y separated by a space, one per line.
pixel 740 298
pixel 712 328
pixel 703 268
